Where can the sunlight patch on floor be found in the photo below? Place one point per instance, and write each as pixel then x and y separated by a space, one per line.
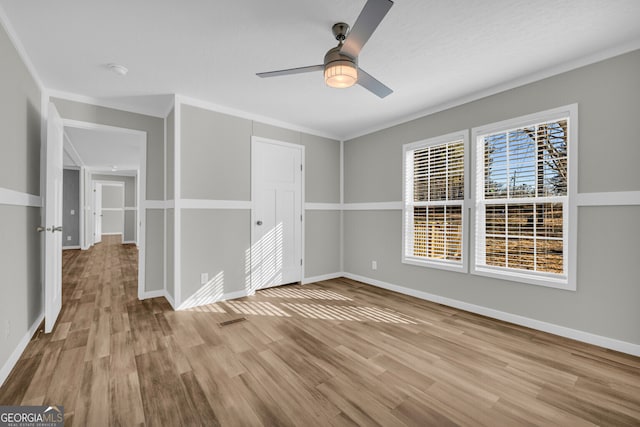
pixel 350 313
pixel 297 293
pixel 259 308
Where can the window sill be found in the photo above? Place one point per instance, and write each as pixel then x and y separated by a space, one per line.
pixel 530 279
pixel 442 265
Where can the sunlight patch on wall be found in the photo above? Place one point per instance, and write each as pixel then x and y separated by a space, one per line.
pixel 210 292
pixel 265 260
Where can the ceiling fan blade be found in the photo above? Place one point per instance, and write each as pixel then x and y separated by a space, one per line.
pixel 370 17
pixel 372 84
pixel 289 71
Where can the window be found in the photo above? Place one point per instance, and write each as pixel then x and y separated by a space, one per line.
pixel 524 211
pixel 434 202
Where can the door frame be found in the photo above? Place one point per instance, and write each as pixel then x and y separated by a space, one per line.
pixel 258 139
pixel 96 188
pixel 104 183
pixel 141 189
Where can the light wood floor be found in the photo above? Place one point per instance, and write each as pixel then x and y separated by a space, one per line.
pixel 334 353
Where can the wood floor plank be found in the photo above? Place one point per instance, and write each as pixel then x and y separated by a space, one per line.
pixel 333 353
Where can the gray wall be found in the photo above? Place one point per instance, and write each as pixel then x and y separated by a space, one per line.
pixel 215 155
pixel 154 256
pixel 20 262
pixel 169 266
pixel 605 303
pixel 154 126
pixel 114 220
pixel 112 197
pixel 71 202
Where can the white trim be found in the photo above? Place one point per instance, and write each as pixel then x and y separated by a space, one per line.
pixel 567 280
pixel 408 203
pixel 113 209
pixel 112 234
pixel 255 140
pixel 563 331
pixel 119 173
pixel 136 109
pixel 164 213
pixel 230 295
pixel 81 209
pixel 154 204
pixel 323 206
pixel 518 82
pixel 17 352
pixel 17 198
pixel 214 204
pixel 614 198
pixel 177 203
pixel 22 53
pixel 129 242
pixel 373 206
pixel 250 116
pixel 65 248
pixel 321 278
pixel 341 205
pixel 79 124
pixel 152 294
pixel 130 208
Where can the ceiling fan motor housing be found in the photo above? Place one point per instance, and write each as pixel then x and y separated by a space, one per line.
pixel 340 70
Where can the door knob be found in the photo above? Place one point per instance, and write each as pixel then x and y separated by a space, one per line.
pixel 54 229
pixel 40 229
pixel 258 222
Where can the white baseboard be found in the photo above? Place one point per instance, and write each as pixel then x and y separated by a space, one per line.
pixel 153 294
pixel 17 352
pixel 130 242
pixel 112 234
pixel 64 248
pixel 230 295
pixel 314 279
pixel 610 343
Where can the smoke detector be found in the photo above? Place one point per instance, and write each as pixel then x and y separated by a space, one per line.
pixel 118 69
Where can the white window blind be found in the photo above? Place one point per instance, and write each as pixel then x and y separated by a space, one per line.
pixel 522 201
pixel 434 198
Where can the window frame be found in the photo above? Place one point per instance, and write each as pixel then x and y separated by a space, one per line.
pixel 407 202
pixel 570 223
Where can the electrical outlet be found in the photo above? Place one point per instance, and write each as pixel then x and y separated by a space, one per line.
pixel 73 211
pixel 68 238
pixel 374 265
pixel 204 278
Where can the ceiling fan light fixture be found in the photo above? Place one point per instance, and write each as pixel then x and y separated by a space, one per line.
pixel 341 74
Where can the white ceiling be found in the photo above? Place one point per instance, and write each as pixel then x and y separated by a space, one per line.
pixel 432 53
pixel 100 149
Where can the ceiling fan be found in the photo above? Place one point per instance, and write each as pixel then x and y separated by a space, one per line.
pixel 341 62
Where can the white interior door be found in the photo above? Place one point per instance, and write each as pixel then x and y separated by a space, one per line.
pixel 276 232
pixel 97 212
pixel 53 219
